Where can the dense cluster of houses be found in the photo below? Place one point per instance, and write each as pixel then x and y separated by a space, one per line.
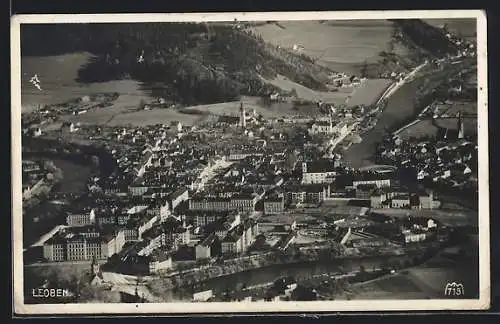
pixel 179 188
pixel 451 162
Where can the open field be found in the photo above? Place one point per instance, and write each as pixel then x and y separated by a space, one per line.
pixel 339 45
pixel 58 75
pixel 427 128
pixel 286 218
pixel 447 217
pixel 303 238
pixel 337 97
pixel 452 109
pixel 232 108
pixel 389 287
pixel 369 93
pixel 424 281
pixel 420 129
pixel 156 116
pixel 470 124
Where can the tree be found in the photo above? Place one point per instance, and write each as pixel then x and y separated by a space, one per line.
pixel 364 69
pixel 390 47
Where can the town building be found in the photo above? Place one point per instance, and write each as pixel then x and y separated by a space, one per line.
pixel 159 261
pixel 322 127
pixel 203 218
pixel 82 247
pixel 380 180
pixel 209 247
pixel 178 197
pixel 81 219
pixel 274 204
pixel 364 191
pixel 402 198
pixel 240 238
pixel 234 242
pixel 426 199
pixel 243 202
pixel 320 171
pixel 131 234
pixel 401 201
pixel 414 236
pixel 210 204
pixel 306 193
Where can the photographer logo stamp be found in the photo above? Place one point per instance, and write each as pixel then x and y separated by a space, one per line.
pixel 454 289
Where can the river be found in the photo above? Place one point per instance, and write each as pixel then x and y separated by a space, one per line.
pixel 76 169
pixel 400 108
pixel 238 281
pixel 44 216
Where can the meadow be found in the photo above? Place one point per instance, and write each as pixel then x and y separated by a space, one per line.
pixel 446 217
pixel 58 74
pixel 425 127
pixel 339 45
pixel 337 97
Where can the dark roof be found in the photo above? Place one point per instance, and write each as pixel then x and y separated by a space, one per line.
pixel 414 200
pixel 401 197
pixel 178 193
pixel 209 240
pixel 371 176
pixel 160 255
pixel 366 187
pixel 235 234
pixel 313 187
pixel 320 166
pixel 229 119
pixel 249 222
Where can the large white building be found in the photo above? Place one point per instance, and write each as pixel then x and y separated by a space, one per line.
pixel 82 247
pixel 322 171
pixel 380 180
pixel 160 261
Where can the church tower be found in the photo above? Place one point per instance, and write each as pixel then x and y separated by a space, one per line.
pixel 243 121
pixel 460 126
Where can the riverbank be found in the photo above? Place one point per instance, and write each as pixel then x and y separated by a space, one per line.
pixel 75 163
pixel 256 271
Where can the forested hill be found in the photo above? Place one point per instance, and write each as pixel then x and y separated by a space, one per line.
pixel 430 41
pixel 197 63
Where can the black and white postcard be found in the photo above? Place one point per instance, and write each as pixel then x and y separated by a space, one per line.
pixel 250 162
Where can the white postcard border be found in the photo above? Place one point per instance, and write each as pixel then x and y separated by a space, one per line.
pixel 252 307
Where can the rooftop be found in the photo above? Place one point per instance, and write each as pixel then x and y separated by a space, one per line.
pixel 209 240
pixel 320 166
pixel 235 234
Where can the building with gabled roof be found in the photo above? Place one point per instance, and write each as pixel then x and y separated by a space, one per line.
pixel 209 247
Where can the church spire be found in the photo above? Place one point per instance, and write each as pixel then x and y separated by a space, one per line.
pixel 243 121
pixel 460 126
